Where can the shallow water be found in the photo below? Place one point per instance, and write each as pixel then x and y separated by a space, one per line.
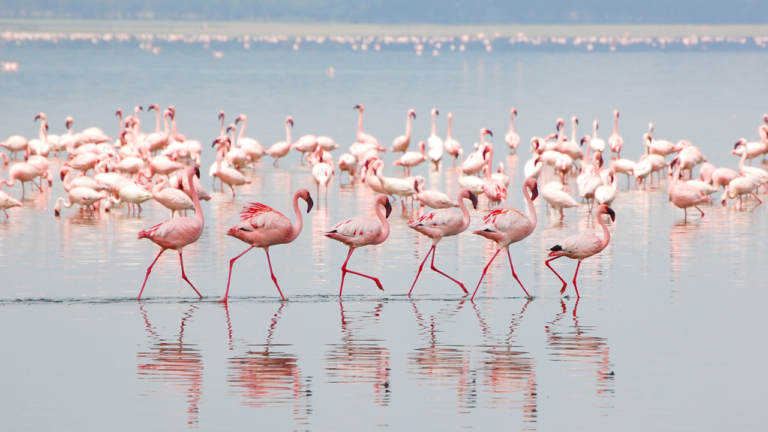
pixel 665 335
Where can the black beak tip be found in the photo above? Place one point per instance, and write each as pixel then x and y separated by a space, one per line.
pixel 611 213
pixel 473 198
pixel 197 172
pixel 388 208
pixel 310 203
pixel 534 192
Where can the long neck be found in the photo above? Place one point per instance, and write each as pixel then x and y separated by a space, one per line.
pixel 242 129
pixel 384 224
pixel 606 233
pixel 360 123
pixel 195 199
pixel 165 124
pixel 288 132
pixel 512 123
pixel 743 158
pixel 616 125
pixel 464 213
pixel 42 131
pixel 531 208
pixel 296 230
pixel 573 130
pixel 120 124
pixel 434 125
pixel 408 128
pixel 160 185
pixel 450 129
pixel 157 121
pixel 594 131
pixel 219 154
pixel 173 123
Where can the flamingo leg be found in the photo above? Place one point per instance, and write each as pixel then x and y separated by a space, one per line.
pixel 274 279
pixel 565 284
pixel 33 182
pixel 345 271
pixel 184 276
pixel 233 190
pixel 575 275
pixel 686 213
pixel 754 195
pixel 484 271
pixel 420 267
pixel 702 213
pixel 229 279
pixel 149 270
pixel 432 266
pixel 515 275
pixel 6 214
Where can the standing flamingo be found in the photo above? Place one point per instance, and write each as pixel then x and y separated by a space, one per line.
pixel 443 223
pixel 176 233
pixel 684 195
pixel 401 143
pixel 262 227
pixel 361 231
pixel 411 159
pixel 435 143
pixel 363 137
pixel 280 149
pixel 512 138
pixel 582 246
pixel 596 144
pixel 452 147
pixel 615 141
pixel 506 226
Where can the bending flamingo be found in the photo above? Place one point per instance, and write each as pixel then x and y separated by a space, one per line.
pixel 175 233
pixel 582 246
pixel 443 223
pixel 361 231
pixel 262 227
pixel 506 226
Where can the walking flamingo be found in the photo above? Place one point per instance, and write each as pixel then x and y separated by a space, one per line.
pixel 361 231
pixel 322 172
pixel 412 159
pixel 512 138
pixel 280 149
pixel 553 193
pixel 506 226
pixel 443 223
pixel 23 172
pixel 401 143
pixel 363 137
pixel 581 246
pixel 615 141
pixel 262 227
pixel 176 233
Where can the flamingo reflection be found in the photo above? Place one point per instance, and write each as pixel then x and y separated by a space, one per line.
pixel 360 360
pixel 575 345
pixel 507 370
pixel 176 366
pixel 443 366
pixel 269 378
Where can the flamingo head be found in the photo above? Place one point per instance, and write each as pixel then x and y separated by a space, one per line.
pixel 609 211
pixel 139 108
pixel 155 107
pixel 383 200
pixel 514 111
pixel 40 116
pixel 64 172
pixel 358 107
pixel 472 197
pixel 586 139
pixel 595 125
pixel 559 124
pixel 435 111
pixel 46 125
pixel 533 186
pixel 599 158
pixel 765 118
pixel 231 128
pixel 485 131
pixel 537 161
pixel 119 113
pixel 68 122
pixel 304 194
pixel 575 119
pixel 740 143
pixel 289 120
pixel 674 161
pixel 412 113
pixel 221 141
pixel 616 113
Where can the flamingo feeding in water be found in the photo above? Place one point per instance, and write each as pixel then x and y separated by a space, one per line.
pixel 581 246
pixel 361 231
pixel 176 233
pixel 262 227
pixel 443 223
pixel 506 226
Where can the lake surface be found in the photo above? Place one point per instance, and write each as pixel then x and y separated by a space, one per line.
pixel 668 333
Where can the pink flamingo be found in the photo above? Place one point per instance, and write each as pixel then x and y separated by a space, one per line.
pixel 401 143
pixel 262 227
pixel 361 231
pixel 684 195
pixel 443 223
pixel 582 246
pixel 506 226
pixel 512 138
pixel 615 141
pixel 412 159
pixel 175 233
pixel 363 137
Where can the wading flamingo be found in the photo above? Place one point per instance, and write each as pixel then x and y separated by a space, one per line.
pixel 581 246
pixel 175 233
pixel 412 159
pixel 512 138
pixel 262 227
pixel 452 147
pixel 443 223
pixel 361 231
pixel 363 137
pixel 684 195
pixel 401 143
pixel 615 141
pixel 506 226
pixel 6 202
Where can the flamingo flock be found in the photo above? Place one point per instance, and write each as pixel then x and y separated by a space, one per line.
pixel 101 174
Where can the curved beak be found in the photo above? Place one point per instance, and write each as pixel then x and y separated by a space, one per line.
pixel 577 121
pixel 437 112
pixel 221 116
pixel 291 122
pixel 63 174
pixel 388 207
pixel 38 117
pixel 46 127
pixel 473 198
pixel 416 186
pixel 197 172
pixel 489 132
pixel 611 213
pixel 357 107
pixel 216 141
pixel 582 141
pixel 413 114
pixel 737 145
pixel 118 113
pixel 537 161
pixel 310 203
pixel 534 192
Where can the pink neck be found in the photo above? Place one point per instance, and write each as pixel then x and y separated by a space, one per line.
pixel 119 124
pixel 242 129
pixel 360 123
pixel 464 212
pixel 616 125
pixel 606 233
pixel 450 129
pixel 573 130
pixel 531 208
pixel 408 127
pixel 296 230
pixel 512 123
pixel 195 199
pixel 165 124
pixel 288 131
pixel 384 224
pixel 157 121
pixel 434 125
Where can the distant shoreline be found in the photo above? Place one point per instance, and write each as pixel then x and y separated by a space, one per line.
pixel 240 28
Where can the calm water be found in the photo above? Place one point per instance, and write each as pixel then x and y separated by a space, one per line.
pixel 667 334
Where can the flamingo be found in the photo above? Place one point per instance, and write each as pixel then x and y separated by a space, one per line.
pixel 606 193
pixel 280 149
pixel 363 137
pixel 581 246
pixel 434 199
pixel 176 233
pixel 476 160
pixel 7 202
pixel 322 172
pixel 85 197
pixel 395 186
pixel 501 176
pixel 412 159
pixel 41 164
pixel 158 139
pixel 401 143
pixel 452 147
pixel 262 227
pixel 512 138
pixel 553 194
pixel 132 194
pixel 250 146
pixel 305 144
pixel 68 182
pixel 684 195
pixel 623 166
pixel 569 147
pixel 615 141
pixel 67 141
pixel 361 231
pixel 327 143
pixel 370 176
pixel 493 188
pixel 23 172
pixel 15 144
pixel 596 144
pixel 172 199
pixel 744 185
pixel 175 135
pixel 230 177
pixel 435 142
pixel 659 147
pixel 443 223
pixel 506 226
pixel 533 167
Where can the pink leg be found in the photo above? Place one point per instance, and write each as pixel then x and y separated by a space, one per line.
pixel 702 213
pixel 344 271
pixel 139 206
pixel 686 214
pixel 149 270
pixel 6 214
pixel 484 271
pixel 229 279
pixel 233 190
pixel 754 195
pixel 515 275
pixel 433 268
pixel 420 267
pixel 565 284
pixel 575 275
pixel 184 276
pixel 274 279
